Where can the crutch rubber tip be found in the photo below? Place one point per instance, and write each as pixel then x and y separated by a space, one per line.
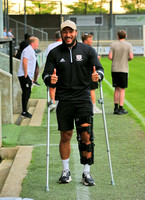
pixel 112 183
pixel 47 189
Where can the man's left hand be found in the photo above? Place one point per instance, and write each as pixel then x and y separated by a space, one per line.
pixel 95 76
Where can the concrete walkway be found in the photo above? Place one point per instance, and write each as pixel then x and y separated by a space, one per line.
pixel 13 183
pixel 15 161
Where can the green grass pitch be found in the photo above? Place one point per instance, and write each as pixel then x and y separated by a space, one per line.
pixel 126 138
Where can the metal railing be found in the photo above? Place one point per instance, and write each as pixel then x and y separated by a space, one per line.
pixel 19 31
pixel 41 59
pixel 6 63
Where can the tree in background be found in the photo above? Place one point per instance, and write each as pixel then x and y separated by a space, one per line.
pixel 41 7
pixel 87 7
pixel 133 6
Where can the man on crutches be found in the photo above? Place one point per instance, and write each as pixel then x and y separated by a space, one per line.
pixel 68 69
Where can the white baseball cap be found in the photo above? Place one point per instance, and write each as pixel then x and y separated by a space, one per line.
pixel 68 23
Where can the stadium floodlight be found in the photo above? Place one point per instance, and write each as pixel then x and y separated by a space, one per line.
pixel 25 17
pixel 101 101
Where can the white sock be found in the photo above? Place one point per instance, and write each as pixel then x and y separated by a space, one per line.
pixel 86 168
pixel 65 164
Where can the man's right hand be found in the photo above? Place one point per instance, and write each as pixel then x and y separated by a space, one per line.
pixel 54 77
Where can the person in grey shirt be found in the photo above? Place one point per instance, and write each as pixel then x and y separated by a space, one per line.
pixel 120 53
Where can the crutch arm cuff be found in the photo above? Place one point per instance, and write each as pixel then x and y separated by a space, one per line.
pixel 101 75
pixel 47 81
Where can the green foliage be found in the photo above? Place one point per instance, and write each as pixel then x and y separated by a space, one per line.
pixel 41 8
pixel 133 6
pixel 87 7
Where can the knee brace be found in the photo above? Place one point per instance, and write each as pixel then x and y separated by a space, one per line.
pixel 83 146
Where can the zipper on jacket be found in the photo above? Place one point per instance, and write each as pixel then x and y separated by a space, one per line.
pixel 70 50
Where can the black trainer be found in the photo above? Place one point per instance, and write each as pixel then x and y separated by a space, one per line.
pixel 65 177
pixel 36 84
pixel 122 112
pixel 26 115
pixel 87 179
pixel 115 110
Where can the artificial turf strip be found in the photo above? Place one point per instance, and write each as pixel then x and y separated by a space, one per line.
pixel 39 92
pixel 127 152
pixel 10 133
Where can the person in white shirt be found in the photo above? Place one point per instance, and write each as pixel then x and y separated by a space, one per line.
pixel 58 39
pixel 5 33
pixel 10 35
pixel 51 46
pixel 26 73
pixel 87 38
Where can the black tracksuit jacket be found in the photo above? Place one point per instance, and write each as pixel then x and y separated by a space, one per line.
pixel 74 68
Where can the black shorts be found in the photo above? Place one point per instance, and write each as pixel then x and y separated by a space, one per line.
pixel 93 85
pixel 120 79
pixel 68 111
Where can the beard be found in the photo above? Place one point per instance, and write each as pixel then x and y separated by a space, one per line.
pixel 71 44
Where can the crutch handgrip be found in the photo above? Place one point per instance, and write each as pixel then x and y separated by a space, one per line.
pixel 49 103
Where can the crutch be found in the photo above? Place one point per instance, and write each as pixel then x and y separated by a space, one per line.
pixel 101 101
pixel 48 132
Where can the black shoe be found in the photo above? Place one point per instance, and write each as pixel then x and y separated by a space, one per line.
pixel 87 179
pixel 122 112
pixel 65 177
pixel 36 84
pixel 115 110
pixel 26 115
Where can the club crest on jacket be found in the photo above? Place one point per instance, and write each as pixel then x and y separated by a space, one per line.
pixel 79 58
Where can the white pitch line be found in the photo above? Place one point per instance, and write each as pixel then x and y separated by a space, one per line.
pixel 41 145
pixel 82 192
pixel 51 125
pixel 138 115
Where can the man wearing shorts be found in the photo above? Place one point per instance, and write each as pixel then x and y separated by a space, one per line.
pixel 68 68
pixel 120 53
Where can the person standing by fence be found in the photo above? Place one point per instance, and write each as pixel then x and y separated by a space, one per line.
pixel 26 73
pixel 87 38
